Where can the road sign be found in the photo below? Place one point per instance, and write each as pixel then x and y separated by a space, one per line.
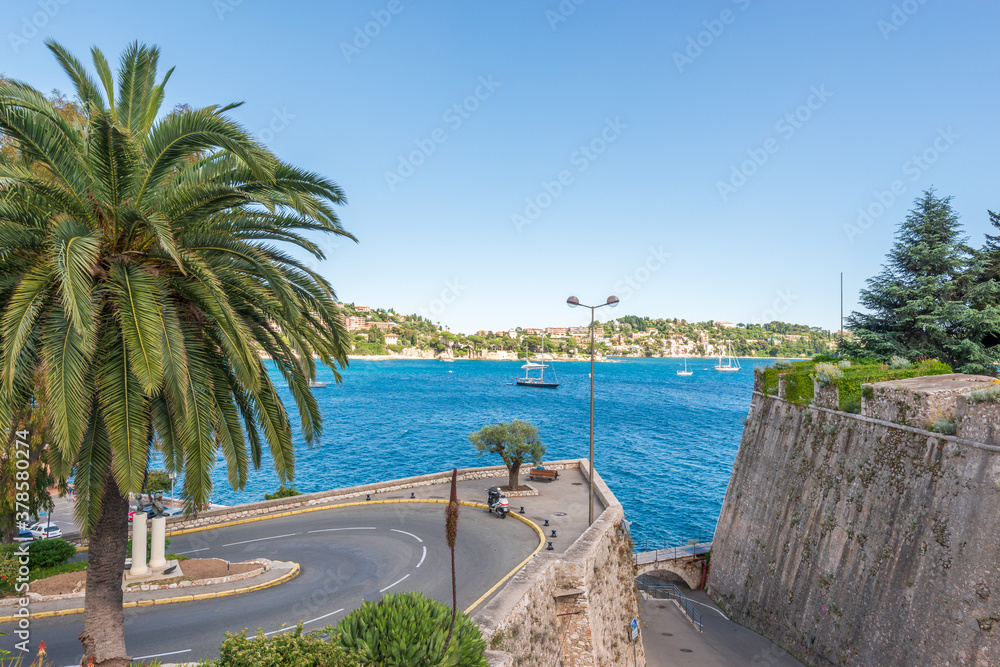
pixel 635 628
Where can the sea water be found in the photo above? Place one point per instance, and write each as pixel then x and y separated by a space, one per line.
pixel 664 443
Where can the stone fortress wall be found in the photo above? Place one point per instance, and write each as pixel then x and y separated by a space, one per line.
pixel 867 539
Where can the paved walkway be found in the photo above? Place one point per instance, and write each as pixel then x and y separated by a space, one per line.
pixel 671 640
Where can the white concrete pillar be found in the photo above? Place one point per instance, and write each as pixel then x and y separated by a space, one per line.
pixel 158 535
pixel 138 545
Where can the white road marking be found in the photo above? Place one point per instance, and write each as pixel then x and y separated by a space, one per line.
pixel 292 627
pixel 259 539
pixel 161 655
pixel 406 533
pixel 393 584
pixel 328 530
pixel 710 607
pixel 320 618
pixel 181 553
pixel 422 557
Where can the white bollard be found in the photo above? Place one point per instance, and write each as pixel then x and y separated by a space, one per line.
pixel 138 568
pixel 158 546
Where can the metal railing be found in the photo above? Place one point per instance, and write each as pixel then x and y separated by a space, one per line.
pixel 672 553
pixel 662 544
pixel 668 591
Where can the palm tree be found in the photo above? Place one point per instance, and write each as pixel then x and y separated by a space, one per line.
pixel 141 274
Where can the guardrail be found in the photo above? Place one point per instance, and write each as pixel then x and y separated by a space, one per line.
pixel 672 553
pixel 665 543
pixel 668 591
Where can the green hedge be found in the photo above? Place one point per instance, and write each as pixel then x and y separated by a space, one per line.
pixel 799 379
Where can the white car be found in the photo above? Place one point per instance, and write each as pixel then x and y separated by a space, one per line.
pixel 40 531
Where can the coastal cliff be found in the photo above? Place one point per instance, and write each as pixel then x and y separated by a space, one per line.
pixel 865 539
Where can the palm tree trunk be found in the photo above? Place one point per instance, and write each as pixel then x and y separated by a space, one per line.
pixel 103 633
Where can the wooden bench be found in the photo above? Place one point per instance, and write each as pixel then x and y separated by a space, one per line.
pixel 542 473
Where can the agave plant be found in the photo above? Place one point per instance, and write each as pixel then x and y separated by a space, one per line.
pixel 145 273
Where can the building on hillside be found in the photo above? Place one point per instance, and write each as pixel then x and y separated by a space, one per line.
pixel 356 323
pixel 512 333
pixel 382 326
pixel 391 339
pixel 534 332
pixel 556 331
pixel 573 331
pixel 363 309
pixel 725 325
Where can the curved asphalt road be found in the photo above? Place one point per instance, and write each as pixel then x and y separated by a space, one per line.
pixel 347 555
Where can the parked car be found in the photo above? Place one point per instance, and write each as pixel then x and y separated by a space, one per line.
pixel 42 532
pixel 24 536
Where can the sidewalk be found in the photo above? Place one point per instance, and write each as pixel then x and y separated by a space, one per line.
pixel 671 640
pixel 280 572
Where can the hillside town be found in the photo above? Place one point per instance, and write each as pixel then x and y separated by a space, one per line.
pixel 377 332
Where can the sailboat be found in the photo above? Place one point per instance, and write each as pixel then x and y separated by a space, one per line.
pixel 685 371
pixel 529 381
pixel 731 363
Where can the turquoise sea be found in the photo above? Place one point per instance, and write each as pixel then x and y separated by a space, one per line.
pixel 665 444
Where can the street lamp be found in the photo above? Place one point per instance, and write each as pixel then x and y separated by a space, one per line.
pixel 573 302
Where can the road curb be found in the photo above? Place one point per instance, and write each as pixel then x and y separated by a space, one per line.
pixel 188 597
pixel 304 510
pixel 295 570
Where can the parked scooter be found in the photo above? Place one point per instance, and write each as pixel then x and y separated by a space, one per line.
pixel 497 502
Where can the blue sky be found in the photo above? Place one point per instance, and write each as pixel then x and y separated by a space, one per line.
pixel 699 160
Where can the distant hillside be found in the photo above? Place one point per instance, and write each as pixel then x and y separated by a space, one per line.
pixel 377 331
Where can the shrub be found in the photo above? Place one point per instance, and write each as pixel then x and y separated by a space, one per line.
pixel 944 427
pixel 410 629
pixel 286 649
pixel 823 358
pixel 49 553
pixel 8 570
pixel 844 363
pixel 782 364
pixel 827 373
pixel 991 395
pixel 282 492
pixel 900 362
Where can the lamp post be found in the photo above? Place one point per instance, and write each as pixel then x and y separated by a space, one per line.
pixel 573 302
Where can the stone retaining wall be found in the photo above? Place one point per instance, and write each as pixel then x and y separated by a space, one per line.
pixel 571 609
pixel 851 540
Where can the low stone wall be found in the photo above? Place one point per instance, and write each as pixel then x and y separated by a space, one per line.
pixel 920 401
pixel 573 609
pixel 320 498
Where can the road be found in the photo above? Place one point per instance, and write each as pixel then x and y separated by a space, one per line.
pixel 347 555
